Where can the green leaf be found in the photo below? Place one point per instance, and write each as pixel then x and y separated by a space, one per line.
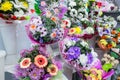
pixel 26 78
pixel 113 54
pixel 37 10
pixel 107 67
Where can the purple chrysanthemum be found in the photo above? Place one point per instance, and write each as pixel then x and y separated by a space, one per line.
pixel 36 74
pixel 20 72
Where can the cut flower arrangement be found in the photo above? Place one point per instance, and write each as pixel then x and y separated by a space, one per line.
pixel 14 9
pixel 43 30
pixel 36 65
pixel 76 52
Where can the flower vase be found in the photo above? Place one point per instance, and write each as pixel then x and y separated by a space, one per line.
pixel 8 33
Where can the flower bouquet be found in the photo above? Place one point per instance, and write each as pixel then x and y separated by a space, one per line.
pixel 77 53
pixel 105 25
pixel 44 30
pixel 102 70
pixel 36 65
pixel 106 42
pixel 78 20
pixel 115 34
pixel 14 10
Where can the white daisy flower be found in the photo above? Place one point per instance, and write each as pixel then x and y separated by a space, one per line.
pixel 72 3
pixel 73 13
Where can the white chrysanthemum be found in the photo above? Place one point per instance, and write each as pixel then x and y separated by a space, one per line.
pixel 83 59
pixel 89 30
pixel 73 13
pixel 72 3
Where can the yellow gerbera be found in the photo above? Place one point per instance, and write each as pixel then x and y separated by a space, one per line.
pixel 25 4
pixel 6 6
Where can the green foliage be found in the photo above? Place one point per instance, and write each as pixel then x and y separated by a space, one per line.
pixel 37 10
pixel 26 78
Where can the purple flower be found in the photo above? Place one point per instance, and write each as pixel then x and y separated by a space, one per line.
pixel 20 72
pixel 74 39
pixel 41 40
pixel 23 53
pixel 36 74
pixel 47 77
pixel 106 75
pixel 62 12
pixel 73 53
pixel 90 58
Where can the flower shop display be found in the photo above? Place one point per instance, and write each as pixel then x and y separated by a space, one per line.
pixel 77 53
pixel 36 65
pixel 70 23
pixel 14 9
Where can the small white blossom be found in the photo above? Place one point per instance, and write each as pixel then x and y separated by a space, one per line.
pixel 73 13
pixel 72 3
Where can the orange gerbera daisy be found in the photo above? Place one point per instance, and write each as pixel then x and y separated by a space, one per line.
pixel 25 63
pixel 40 61
pixel 52 69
